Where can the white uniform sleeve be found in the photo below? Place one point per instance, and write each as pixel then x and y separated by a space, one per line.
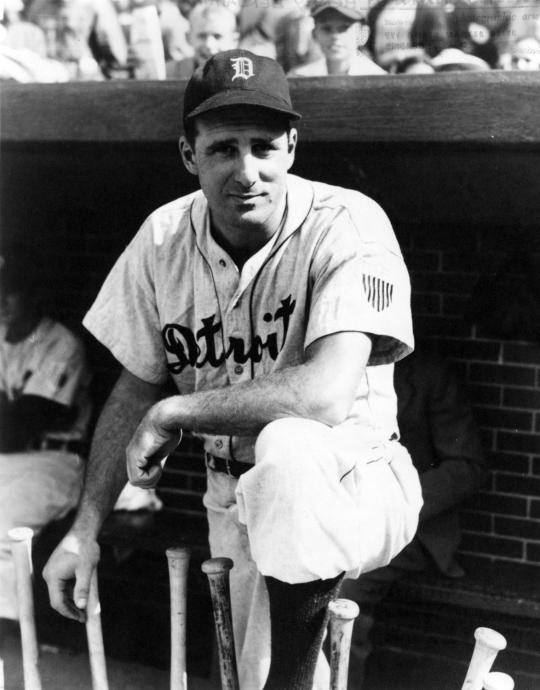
pixel 361 284
pixel 124 316
pixel 60 372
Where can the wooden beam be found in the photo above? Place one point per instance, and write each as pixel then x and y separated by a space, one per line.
pixel 489 108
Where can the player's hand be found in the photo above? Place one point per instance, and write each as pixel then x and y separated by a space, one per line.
pixel 67 574
pixel 149 448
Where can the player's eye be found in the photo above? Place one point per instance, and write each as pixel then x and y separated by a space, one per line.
pixel 222 149
pixel 263 148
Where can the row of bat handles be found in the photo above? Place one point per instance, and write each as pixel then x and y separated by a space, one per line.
pixel 342 614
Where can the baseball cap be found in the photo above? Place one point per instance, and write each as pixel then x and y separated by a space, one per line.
pixel 238 77
pixel 349 8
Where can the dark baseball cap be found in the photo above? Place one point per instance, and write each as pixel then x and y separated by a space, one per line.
pixel 238 77
pixel 352 9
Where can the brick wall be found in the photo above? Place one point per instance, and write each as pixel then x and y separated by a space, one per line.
pixel 502 376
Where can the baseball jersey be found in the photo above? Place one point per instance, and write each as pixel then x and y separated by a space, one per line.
pixel 176 304
pixel 49 363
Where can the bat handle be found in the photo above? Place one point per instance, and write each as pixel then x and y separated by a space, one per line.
pixel 498 681
pixel 342 616
pixel 178 560
pixel 217 571
pixel 488 644
pixel 21 549
pixel 94 634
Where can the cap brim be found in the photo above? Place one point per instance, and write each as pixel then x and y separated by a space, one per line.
pixel 243 97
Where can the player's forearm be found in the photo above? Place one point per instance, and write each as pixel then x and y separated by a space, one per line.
pixel 245 408
pixel 106 470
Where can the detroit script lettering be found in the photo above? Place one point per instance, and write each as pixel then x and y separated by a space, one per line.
pixel 205 346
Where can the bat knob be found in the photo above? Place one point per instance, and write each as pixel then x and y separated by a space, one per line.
pixel 214 566
pixel 179 553
pixel 21 534
pixel 343 609
pixel 498 681
pixel 490 638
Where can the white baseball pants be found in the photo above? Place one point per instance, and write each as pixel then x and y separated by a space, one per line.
pixel 319 501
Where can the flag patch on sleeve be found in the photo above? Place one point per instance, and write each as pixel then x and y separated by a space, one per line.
pixel 378 291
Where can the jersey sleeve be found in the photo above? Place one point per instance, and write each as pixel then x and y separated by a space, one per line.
pixel 61 371
pixel 124 316
pixel 359 282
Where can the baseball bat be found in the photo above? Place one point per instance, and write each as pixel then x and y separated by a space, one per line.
pixel 217 571
pixel 21 549
pixel 488 644
pixel 178 559
pixel 342 615
pixel 498 681
pixel 96 651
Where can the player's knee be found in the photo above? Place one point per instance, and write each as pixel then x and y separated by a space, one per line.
pixel 285 443
pixel 279 436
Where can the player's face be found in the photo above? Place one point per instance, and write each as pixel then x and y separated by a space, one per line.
pixel 337 35
pixel 241 157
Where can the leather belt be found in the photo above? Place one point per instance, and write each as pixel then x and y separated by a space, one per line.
pixel 231 467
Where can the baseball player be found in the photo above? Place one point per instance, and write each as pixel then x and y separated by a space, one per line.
pixel 277 305
pixel 44 412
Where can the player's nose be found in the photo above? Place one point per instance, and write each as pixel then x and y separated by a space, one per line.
pixel 246 171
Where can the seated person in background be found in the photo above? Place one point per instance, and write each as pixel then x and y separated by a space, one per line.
pixel 44 412
pixel 437 428
pixel 340 31
pixel 212 29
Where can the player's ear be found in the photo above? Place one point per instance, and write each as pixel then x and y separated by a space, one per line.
pixel 188 155
pixel 292 138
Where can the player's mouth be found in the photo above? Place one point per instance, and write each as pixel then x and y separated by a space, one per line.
pixel 245 197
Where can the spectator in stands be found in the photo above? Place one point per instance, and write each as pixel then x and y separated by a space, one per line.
pixel 340 31
pixel 414 64
pixel 480 29
pixel 81 34
pixel 295 44
pixel 400 30
pixel 526 54
pixel 20 34
pixel 44 411
pixel 213 28
pixel 23 49
pixel 437 428
pixel 156 32
pixel 456 60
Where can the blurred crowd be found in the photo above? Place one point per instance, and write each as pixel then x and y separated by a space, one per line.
pixel 88 40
